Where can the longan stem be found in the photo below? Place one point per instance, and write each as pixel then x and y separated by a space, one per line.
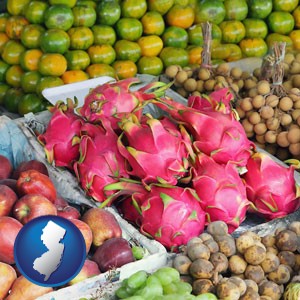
pixel 206 52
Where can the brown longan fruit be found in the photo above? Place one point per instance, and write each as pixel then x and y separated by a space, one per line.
pixel 263 87
pixel 294 149
pixel 181 77
pixel 200 86
pixel 294 94
pixel 209 85
pixel 271 136
pixel 272 123
pixel 254 117
pixel 296 104
pixel 294 135
pixel 203 74
pixel 260 138
pixel 257 72
pixel 289 57
pixel 258 101
pixel 287 85
pixel 252 92
pixel 295 67
pixel 172 70
pixel 285 103
pixel 296 80
pixel 266 112
pixel 249 83
pixel 298 120
pixel 286 119
pixel 295 113
pixel 246 104
pixel 236 72
pixel 272 100
pixel 240 112
pixel 190 84
pixel 223 68
pixel 182 92
pixel 248 127
pixel 260 128
pixel 282 140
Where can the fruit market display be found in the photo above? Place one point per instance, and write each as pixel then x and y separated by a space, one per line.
pixel 50 43
pixel 268 111
pixel 216 265
pixel 27 192
pixel 112 147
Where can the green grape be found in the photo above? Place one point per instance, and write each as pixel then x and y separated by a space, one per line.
pixel 152 280
pixel 137 279
pixel 184 288
pixel 138 252
pixel 135 298
pixel 173 297
pixel 166 275
pixel 206 296
pixel 150 291
pixel 170 288
pixel 121 293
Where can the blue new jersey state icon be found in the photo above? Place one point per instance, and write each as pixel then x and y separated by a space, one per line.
pixel 49 251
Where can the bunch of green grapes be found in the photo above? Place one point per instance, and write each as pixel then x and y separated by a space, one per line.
pixel 163 284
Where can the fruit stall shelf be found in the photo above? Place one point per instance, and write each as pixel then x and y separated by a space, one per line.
pixel 102 286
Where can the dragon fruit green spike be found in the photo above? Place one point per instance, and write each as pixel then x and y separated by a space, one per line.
pixel 155 150
pixel 62 136
pixel 171 215
pixel 100 162
pixel 115 100
pixel 221 191
pixel 217 134
pixel 271 186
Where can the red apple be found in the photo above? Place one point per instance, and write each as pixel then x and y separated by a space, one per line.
pixel 34 182
pixel 24 289
pixel 7 276
pixel 6 167
pixel 31 206
pixel 30 165
pixel 12 183
pixel 113 253
pixel 86 232
pixel 89 269
pixel 68 212
pixel 103 223
pixel 7 199
pixel 9 229
pixel 60 202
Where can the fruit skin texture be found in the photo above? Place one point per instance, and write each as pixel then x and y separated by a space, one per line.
pixel 32 164
pixel 86 232
pixel 89 269
pixel 22 288
pixel 31 206
pixel 7 199
pixel 9 229
pixel 34 182
pixel 62 146
pixel 6 167
pixel 215 184
pixel 271 187
pixel 103 223
pixel 113 253
pixel 7 277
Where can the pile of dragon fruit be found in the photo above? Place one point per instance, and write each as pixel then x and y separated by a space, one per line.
pixel 169 175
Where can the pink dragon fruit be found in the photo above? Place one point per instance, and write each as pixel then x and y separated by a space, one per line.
pixel 116 100
pixel 155 150
pixel 221 191
pixel 100 162
pixel 271 186
pixel 219 100
pixel 171 215
pixel 62 136
pixel 217 134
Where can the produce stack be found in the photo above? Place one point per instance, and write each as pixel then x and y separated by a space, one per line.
pixel 45 44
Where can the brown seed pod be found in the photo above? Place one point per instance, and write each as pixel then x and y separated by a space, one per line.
pixel 201 286
pixel 281 275
pixel 219 261
pixel 270 263
pixel 255 254
pixel 256 273
pixel 182 264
